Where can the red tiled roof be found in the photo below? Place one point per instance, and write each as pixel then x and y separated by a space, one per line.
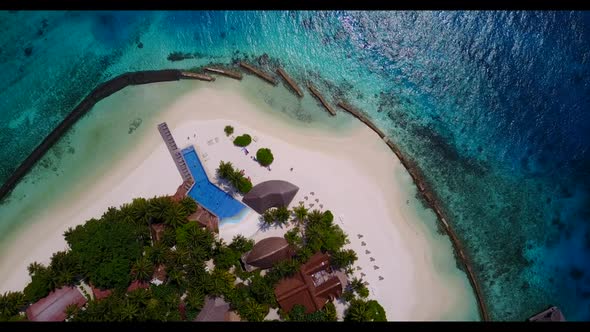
pixel 138 284
pixel 100 294
pixel 52 307
pixel 301 289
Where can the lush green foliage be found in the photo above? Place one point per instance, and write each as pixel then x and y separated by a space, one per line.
pixel 365 311
pixel 227 256
pixel 297 314
pixel 11 304
pixel 279 215
pixel 112 251
pixel 228 130
pixel 226 171
pixel 243 140
pixel 264 156
pixel 343 258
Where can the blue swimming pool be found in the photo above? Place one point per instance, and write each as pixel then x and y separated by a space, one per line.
pixel 206 193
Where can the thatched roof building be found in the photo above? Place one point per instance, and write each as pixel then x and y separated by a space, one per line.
pixel 266 253
pixel 273 193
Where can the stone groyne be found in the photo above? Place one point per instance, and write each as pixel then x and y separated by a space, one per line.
pixel 226 72
pixel 101 91
pixel 432 200
pixel 259 73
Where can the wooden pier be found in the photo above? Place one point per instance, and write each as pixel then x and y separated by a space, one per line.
pixel 229 73
pixel 179 161
pixel 197 76
pixel 317 94
pixel 259 73
pixel 361 117
pixel 290 81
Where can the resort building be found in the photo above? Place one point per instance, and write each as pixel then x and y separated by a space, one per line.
pixel 273 193
pixel 52 307
pixel 267 253
pixel 312 287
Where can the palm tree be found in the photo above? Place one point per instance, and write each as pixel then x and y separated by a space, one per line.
pixel 142 269
pixel 175 276
pixel 255 312
pixel 358 311
pixel 34 268
pixel 189 204
pixel 225 169
pixel 175 215
pixel 158 206
pixel 282 214
pixel 157 253
pixel 140 210
pixel 140 296
pixel 300 213
pixel 269 216
pixel 314 216
pixel 128 311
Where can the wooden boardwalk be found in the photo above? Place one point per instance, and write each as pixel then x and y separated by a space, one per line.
pixel 290 81
pixel 187 178
pixel 317 94
pixel 259 73
pixel 229 73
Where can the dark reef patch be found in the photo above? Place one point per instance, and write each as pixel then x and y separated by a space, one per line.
pixel 29 51
pixel 576 273
pixel 140 45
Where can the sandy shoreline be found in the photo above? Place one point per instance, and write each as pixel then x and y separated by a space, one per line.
pixel 353 173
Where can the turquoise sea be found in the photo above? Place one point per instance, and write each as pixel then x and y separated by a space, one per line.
pixel 492 106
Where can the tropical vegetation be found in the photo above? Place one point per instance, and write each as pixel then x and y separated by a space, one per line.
pixel 264 156
pixel 227 172
pixel 228 130
pixel 243 140
pixel 117 249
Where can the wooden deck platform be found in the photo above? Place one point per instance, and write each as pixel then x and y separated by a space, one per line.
pixel 290 81
pixel 317 94
pixel 226 72
pixel 259 73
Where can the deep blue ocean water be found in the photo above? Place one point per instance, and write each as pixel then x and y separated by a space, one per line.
pixel 493 106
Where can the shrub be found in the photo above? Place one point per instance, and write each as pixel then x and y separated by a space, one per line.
pixel 228 130
pixel 264 156
pixel 243 140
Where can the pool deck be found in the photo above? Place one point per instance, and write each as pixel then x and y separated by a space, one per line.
pixel 197 183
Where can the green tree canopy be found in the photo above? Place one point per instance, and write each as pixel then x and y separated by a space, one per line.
pixel 228 130
pixel 243 140
pixel 365 311
pixel 264 156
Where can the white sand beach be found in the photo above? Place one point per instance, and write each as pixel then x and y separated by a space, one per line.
pixel 348 170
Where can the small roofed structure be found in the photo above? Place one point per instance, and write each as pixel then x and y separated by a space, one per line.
pixel 214 310
pixel 553 314
pixel 267 253
pixel 52 307
pixel 273 193
pixel 138 284
pixel 312 287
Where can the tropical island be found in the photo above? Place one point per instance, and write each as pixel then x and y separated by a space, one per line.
pixel 161 259
pixel 258 180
